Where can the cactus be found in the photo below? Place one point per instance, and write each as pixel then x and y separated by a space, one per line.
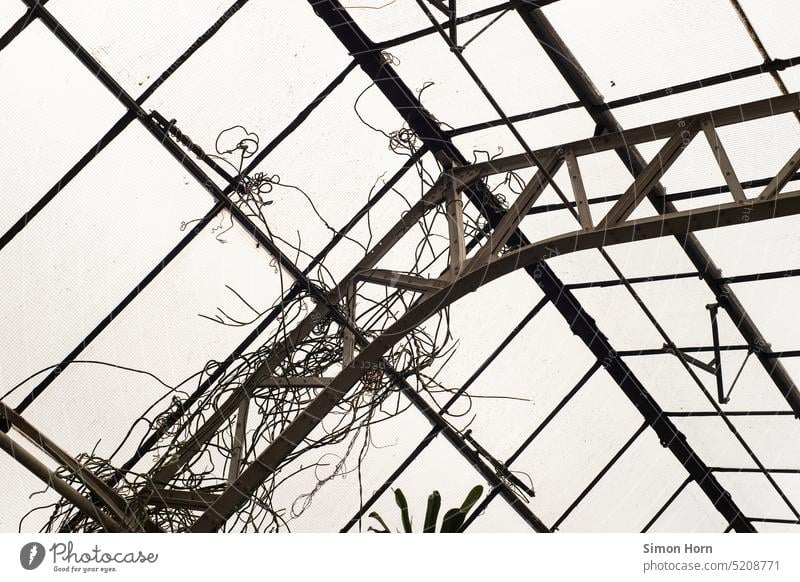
pixel 451 522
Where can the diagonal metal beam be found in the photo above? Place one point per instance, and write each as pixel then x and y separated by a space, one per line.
pixel 115 504
pixel 722 159
pixel 578 190
pixel 401 280
pixel 40 470
pixel 651 173
pixel 782 177
pixel 454 210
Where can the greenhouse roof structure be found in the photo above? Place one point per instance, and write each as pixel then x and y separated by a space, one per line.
pixel 269 263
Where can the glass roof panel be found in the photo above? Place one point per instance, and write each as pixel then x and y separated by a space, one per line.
pixel 136 43
pixel 45 132
pixel 652 44
pixel 9 13
pixel 89 248
pixel 690 512
pixel 631 492
pixel 576 445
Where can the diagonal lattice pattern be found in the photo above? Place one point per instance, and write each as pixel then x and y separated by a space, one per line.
pixel 326 256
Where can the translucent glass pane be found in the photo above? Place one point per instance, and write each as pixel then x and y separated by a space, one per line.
pixel 713 441
pixel 619 317
pixel 690 512
pixel 137 42
pixel 89 248
pixel 268 78
pixel 631 493
pixel 768 302
pixel 514 67
pixel 9 13
pixel 163 354
pixel 45 132
pixel 523 385
pixel 755 247
pixel 754 495
pixel 653 44
pixel 569 453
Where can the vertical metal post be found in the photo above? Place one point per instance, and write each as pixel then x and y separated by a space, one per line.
pixel 348 337
pixel 453 26
pixel 454 210
pixel 712 308
pixel 238 439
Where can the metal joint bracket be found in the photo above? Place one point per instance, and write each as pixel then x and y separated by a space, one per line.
pixel 502 470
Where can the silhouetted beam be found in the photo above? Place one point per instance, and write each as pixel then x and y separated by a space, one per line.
pixel 179 499
pixel 401 280
pixel 622 139
pixel 48 477
pixel 102 491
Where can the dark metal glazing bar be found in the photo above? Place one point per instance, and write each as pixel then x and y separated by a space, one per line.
pixel 599 476
pixel 667 503
pixel 769 66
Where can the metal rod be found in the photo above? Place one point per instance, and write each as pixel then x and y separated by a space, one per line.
pixel 754 470
pixel 712 309
pixel 751 277
pixel 606 468
pixel 667 503
pixel 48 477
pixel 768 67
pixel 693 413
pixel 484 503
pixel 238 440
